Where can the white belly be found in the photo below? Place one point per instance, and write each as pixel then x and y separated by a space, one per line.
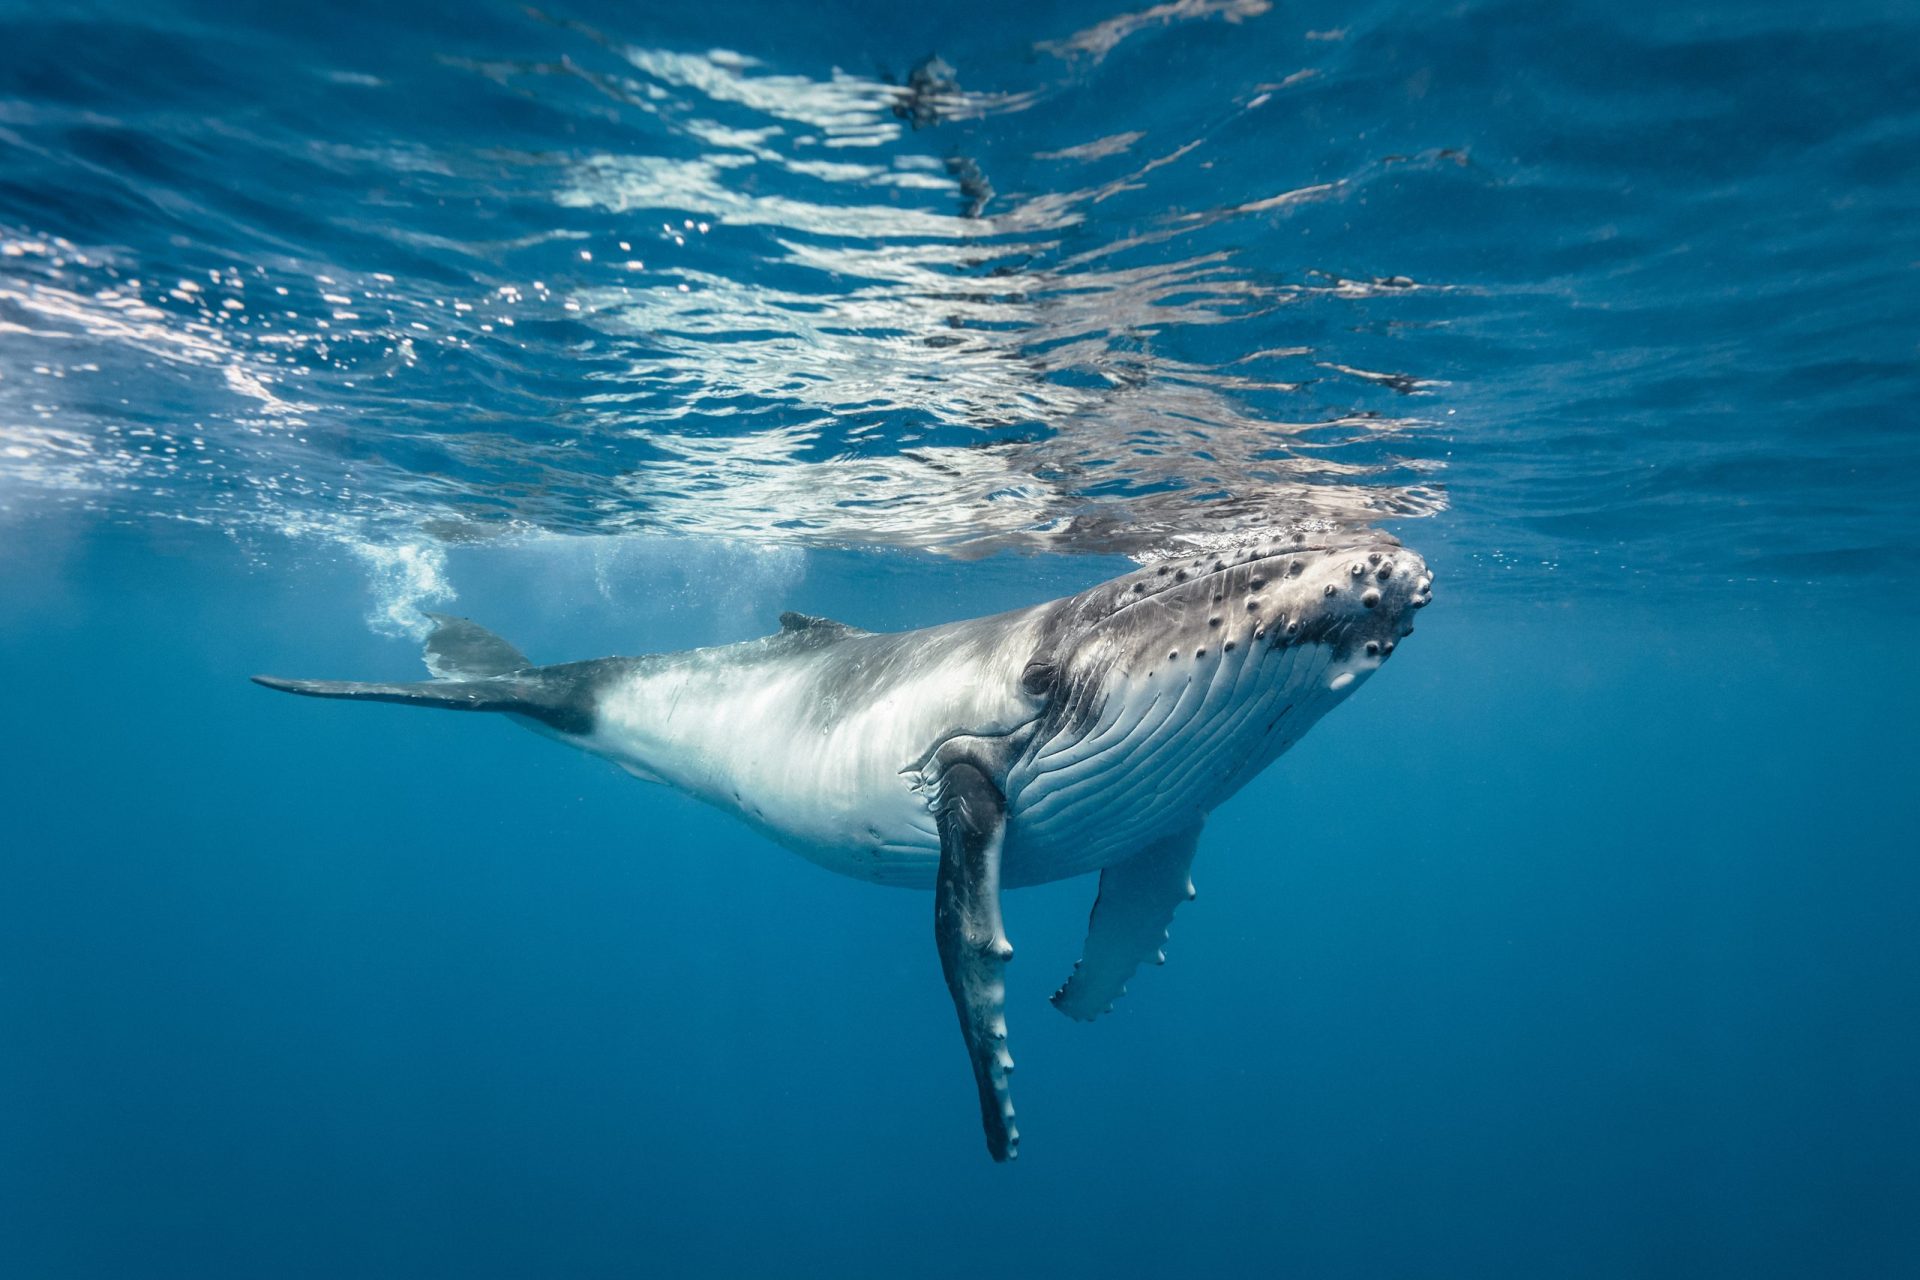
pixel 819 750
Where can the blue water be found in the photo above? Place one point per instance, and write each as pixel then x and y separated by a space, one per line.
pixel 1580 943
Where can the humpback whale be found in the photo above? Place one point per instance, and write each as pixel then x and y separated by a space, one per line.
pixel 1091 733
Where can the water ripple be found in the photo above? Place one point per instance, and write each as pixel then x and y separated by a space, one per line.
pixel 1180 273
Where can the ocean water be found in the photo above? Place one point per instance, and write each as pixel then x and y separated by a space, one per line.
pixel 1582 942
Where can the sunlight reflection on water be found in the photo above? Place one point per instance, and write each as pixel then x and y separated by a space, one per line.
pixel 776 320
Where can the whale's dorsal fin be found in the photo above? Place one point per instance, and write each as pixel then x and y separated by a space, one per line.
pixel 461 650
pixel 823 627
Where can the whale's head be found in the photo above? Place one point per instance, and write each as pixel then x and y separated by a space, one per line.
pixel 1182 680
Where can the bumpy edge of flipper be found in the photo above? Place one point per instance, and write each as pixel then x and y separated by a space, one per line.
pixel 973 944
pixel 1129 924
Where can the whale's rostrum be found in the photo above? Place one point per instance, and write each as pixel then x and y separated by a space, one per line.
pixel 1092 733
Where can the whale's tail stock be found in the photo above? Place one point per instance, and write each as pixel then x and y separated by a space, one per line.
pixel 474 670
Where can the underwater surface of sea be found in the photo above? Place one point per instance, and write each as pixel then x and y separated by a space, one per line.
pixel 1582 943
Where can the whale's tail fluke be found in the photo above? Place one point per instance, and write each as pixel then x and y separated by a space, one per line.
pixel 478 671
pixel 459 649
pixel 550 702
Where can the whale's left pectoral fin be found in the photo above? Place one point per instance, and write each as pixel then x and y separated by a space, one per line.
pixel 1129 925
pixel 973 944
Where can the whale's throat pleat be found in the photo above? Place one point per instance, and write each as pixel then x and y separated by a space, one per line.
pixel 1167 744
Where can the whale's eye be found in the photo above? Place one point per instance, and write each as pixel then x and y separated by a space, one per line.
pixel 1039 677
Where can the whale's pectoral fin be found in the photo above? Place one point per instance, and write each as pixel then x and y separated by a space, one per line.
pixel 973 944
pixel 1129 925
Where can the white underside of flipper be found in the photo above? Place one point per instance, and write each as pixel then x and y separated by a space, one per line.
pixel 1129 924
pixel 972 940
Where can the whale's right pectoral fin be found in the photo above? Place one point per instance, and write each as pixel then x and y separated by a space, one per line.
pixel 1129 925
pixel 974 950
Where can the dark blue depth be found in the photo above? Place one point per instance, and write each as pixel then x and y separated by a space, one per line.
pixel 1580 944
